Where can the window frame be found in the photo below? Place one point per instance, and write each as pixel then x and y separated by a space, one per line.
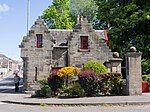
pixel 84 42
pixel 39 40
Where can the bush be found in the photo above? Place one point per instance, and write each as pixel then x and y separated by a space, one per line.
pixel 68 71
pixel 116 83
pixel 55 82
pixel 45 90
pixel 43 81
pixel 104 84
pixel 146 78
pixel 88 81
pixel 111 84
pixel 72 90
pixel 145 66
pixel 95 66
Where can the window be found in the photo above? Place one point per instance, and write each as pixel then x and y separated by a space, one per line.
pixel 35 73
pixel 84 42
pixel 39 40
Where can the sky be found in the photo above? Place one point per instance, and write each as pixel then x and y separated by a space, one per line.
pixel 13 23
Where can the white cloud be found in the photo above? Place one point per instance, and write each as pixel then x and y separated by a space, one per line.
pixel 4 8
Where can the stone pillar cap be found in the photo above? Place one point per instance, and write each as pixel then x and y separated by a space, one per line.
pixel 133 49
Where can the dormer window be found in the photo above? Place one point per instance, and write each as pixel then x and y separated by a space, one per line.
pixel 39 43
pixel 84 43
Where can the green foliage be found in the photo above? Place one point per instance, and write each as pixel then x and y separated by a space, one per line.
pixel 96 66
pixel 111 84
pixel 72 90
pixel 57 16
pixel 102 84
pixel 43 81
pixel 88 83
pixel 85 8
pixel 127 22
pixel 45 90
pixel 145 66
pixel 146 78
pixel 116 83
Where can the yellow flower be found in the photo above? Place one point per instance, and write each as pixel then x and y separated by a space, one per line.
pixel 68 71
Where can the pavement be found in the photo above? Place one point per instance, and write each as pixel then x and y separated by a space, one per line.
pixel 26 99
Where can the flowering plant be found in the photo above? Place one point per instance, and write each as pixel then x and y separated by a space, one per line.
pixel 68 71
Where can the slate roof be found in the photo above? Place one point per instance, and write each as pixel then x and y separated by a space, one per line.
pixel 60 35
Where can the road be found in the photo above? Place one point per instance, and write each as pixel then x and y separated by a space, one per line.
pixel 27 108
pixel 7 87
pixel 7 84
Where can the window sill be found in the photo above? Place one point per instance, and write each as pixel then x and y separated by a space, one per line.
pixel 84 50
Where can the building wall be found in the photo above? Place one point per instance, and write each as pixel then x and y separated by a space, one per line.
pixel 36 60
pixel 60 48
pixel 97 49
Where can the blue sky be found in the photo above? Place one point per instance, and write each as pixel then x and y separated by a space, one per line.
pixel 13 23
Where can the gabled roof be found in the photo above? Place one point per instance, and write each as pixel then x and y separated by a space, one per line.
pixel 60 36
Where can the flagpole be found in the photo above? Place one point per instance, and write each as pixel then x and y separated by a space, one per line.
pixel 28 16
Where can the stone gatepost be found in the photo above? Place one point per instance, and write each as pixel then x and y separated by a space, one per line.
pixel 133 72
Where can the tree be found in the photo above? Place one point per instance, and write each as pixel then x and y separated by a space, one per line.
pixel 83 7
pixel 145 67
pixel 57 16
pixel 127 22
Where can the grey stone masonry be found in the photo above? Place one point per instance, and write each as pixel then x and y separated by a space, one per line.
pixel 36 60
pixel 97 49
pixel 114 65
pixel 133 73
pixel 60 48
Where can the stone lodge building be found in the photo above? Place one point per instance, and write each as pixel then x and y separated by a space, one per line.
pixel 43 50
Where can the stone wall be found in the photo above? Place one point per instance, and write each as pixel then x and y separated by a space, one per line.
pixel 97 49
pixel 36 60
pixel 60 48
pixel 133 73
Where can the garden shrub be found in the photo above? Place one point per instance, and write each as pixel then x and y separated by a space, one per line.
pixel 45 90
pixel 116 83
pixel 68 71
pixel 72 90
pixel 146 78
pixel 95 66
pixel 110 84
pixel 104 84
pixel 69 74
pixel 43 81
pixel 145 66
pixel 55 82
pixel 88 81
